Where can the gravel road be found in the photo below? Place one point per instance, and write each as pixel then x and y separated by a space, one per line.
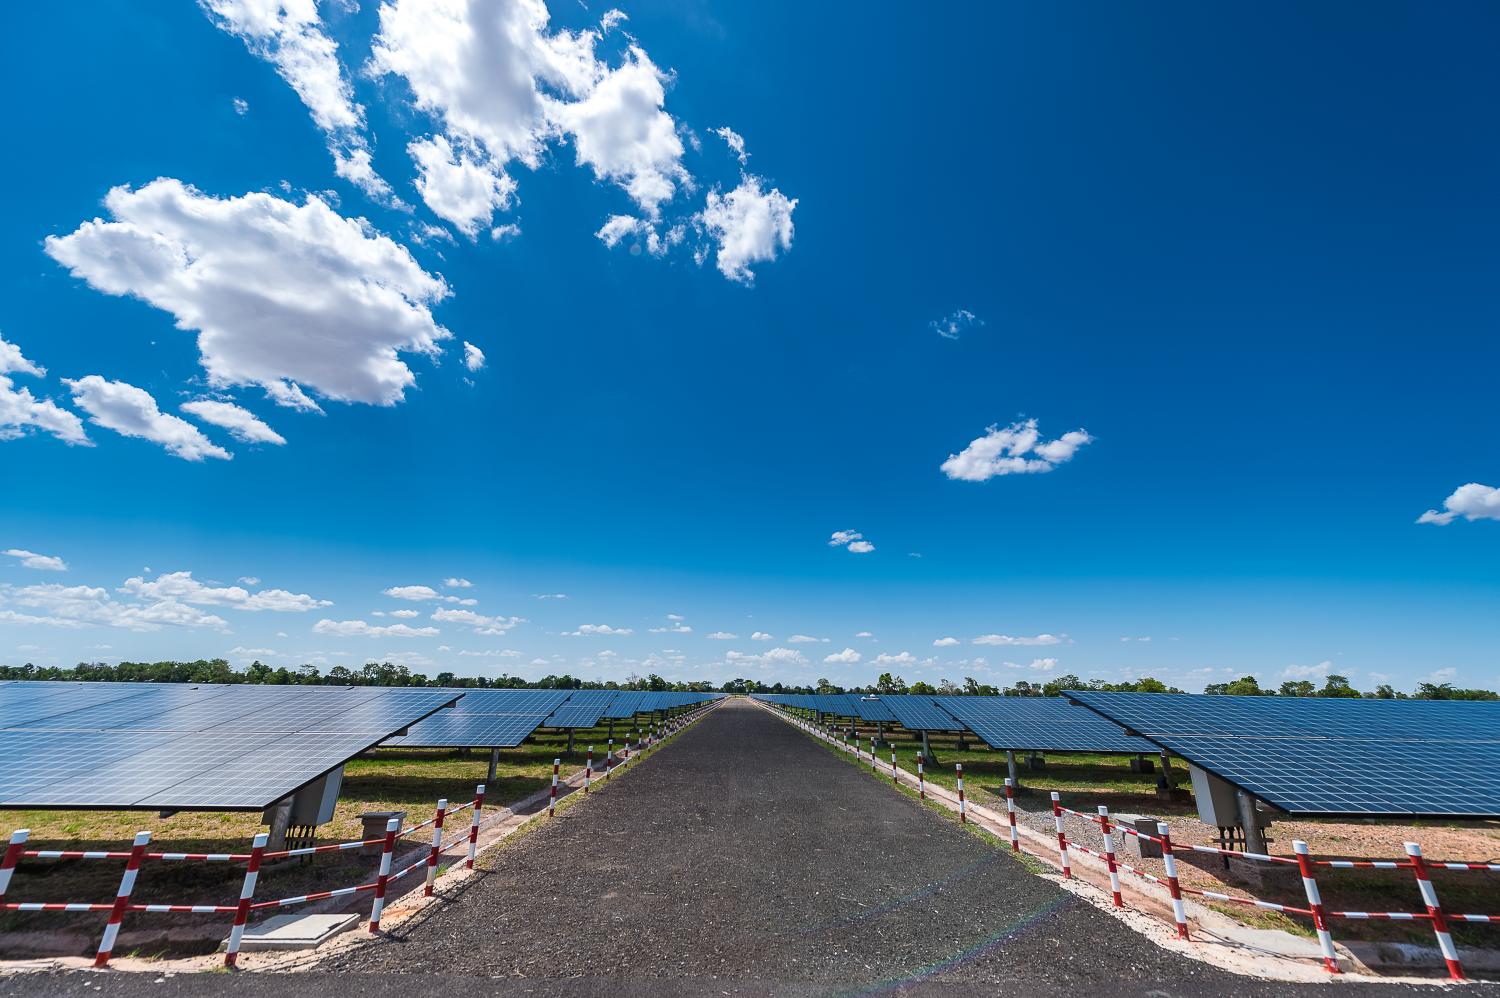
pixel 743 860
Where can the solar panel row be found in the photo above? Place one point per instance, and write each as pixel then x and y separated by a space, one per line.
pixel 176 745
pixel 1327 756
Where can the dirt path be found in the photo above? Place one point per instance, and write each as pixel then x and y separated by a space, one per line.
pixel 741 861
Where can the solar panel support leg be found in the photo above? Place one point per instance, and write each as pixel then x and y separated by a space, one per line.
pixel 926 749
pixel 1010 766
pixel 1255 837
pixel 494 764
pixel 281 822
pixel 570 741
pixel 1164 779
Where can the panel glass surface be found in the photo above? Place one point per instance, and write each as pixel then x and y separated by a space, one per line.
pixel 1042 724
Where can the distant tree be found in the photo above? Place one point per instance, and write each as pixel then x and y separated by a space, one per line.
pixel 1297 688
pixel 923 688
pixel 1338 686
pixel 1447 691
pixel 1245 686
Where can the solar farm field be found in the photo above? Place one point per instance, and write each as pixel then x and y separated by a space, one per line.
pixel 1086 780
pixel 388 779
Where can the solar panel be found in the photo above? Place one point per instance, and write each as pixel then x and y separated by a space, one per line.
pixel 484 719
pixel 186 746
pixel 871 709
pixel 582 710
pixel 1329 756
pixel 921 713
pixel 625 705
pixel 1042 724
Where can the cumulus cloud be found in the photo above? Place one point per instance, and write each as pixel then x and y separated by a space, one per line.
pixel 604 630
pixel 291 37
pixel 132 412
pixel 674 625
pixel 646 235
pixel 398 614
pixel 761 636
pixel 1006 639
pixel 55 605
pixel 418 594
pixel 774 657
pixel 945 642
pixel 364 629
pixel 904 658
pixel 846 657
pixel 749 225
pixel 242 424
pixel 21 412
pixel 183 588
pixel 1043 664
pixel 722 636
pixel 283 296
pixel 1017 449
pixel 473 357
pixel 798 639
pixel 458 184
pixel 1472 502
pixel 953 326
pixel 454 582
pixel 481 623
pixel 852 540
pixel 40 562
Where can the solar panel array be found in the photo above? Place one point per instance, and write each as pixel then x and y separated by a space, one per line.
pixel 916 712
pixel 1042 724
pixel 1329 756
pixel 506 718
pixel 183 746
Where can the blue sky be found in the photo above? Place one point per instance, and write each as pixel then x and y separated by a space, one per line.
pixel 1237 262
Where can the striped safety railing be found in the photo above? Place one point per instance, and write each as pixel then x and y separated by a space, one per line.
pixel 1320 915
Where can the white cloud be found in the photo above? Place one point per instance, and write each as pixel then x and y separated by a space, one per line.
pixel 490 653
pixel 734 141
pixel 282 296
pixel 506 232
pixel 1006 639
pixel 761 636
pixel 399 614
pixel 864 634
pixel 1043 664
pixel 241 423
pixel 241 106
pixel 40 562
pixel 417 594
pixel 360 628
pixel 750 226
pixel 774 657
pixel 1472 502
pixel 1005 450
pixel 457 583
pixel 549 595
pixel 1146 638
pixel 132 412
pixel 289 35
pixel 473 357
pixel 248 580
pixel 20 411
pixel 945 642
pixel 83 606
pixel 675 627
pixel 846 657
pixel 647 236
pixel 798 639
pixel 904 658
pixel 481 623
pixel 676 616
pixel 852 540
pixel 953 326
pixel 1307 671
pixel 600 629
pixel 1441 676
pixel 458 184
pixel 182 587
pixel 722 636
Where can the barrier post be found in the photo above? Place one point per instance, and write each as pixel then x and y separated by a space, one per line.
pixel 588 771
pixel 12 857
pixel 1010 811
pixel 894 778
pixel 122 898
pixel 247 892
pixel 609 760
pixel 1109 856
pixel 921 778
pixel 1315 902
pixel 384 876
pixel 552 802
pixel 1169 862
pixel 1439 923
pixel 437 847
pixel 874 756
pixel 474 828
pixel 1062 836
pixel 963 810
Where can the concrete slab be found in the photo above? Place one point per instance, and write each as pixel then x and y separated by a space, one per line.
pixel 305 931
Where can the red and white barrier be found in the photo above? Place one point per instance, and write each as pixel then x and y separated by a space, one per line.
pixel 921 778
pixel 894 778
pixel 437 847
pixel 247 893
pixel 1315 905
pixel 1435 912
pixel 474 828
pixel 1109 854
pixel 552 802
pixel 1169 862
pixel 1010 811
pixel 963 809
pixel 388 848
pixel 588 771
pixel 1062 837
